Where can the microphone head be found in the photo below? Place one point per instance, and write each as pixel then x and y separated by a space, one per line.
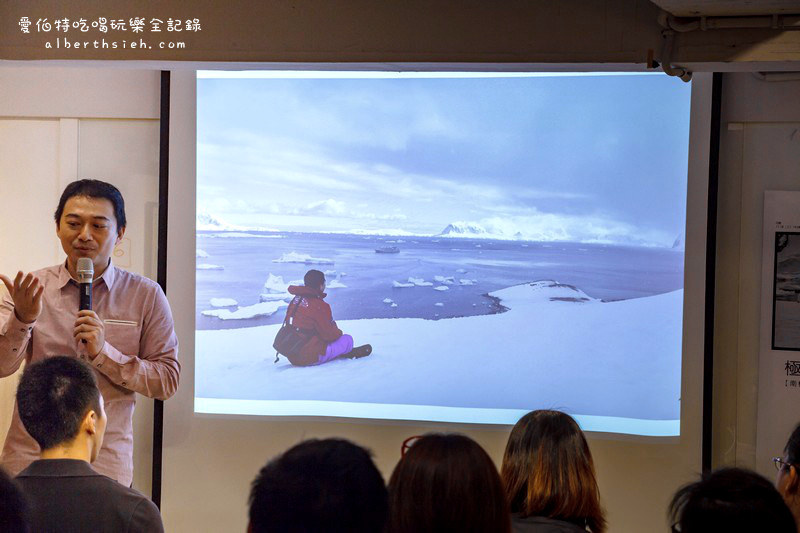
pixel 85 270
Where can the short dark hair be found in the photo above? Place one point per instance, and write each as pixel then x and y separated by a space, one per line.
pixel 53 397
pixel 94 189
pixel 548 470
pixel 13 508
pixel 732 500
pixel 446 482
pixel 328 485
pixel 314 278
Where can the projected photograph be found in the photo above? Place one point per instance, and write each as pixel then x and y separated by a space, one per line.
pixel 786 299
pixel 503 242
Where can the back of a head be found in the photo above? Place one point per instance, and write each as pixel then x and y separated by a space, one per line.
pixel 548 471
pixel 13 510
pixel 446 483
pixel 313 278
pixel 733 500
pixel 53 396
pixel 328 485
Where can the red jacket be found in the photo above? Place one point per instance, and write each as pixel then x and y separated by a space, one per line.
pixel 311 313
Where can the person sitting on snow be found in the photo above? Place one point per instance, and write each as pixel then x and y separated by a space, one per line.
pixel 309 313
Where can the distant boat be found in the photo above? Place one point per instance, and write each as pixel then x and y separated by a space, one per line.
pixel 387 250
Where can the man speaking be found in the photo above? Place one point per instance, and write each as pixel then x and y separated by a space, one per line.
pixel 127 336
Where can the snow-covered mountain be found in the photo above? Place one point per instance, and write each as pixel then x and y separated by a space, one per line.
pixel 208 222
pixel 464 229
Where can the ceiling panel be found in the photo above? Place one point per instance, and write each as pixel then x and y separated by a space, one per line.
pixel 694 8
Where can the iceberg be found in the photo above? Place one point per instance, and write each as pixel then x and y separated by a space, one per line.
pixel 200 253
pixel 441 288
pixel 275 284
pixel 206 266
pixel 400 285
pixel 439 304
pixel 393 305
pixel 449 280
pixel 420 282
pixel 294 257
pixel 467 281
pixel 388 301
pixel 335 284
pixel 223 302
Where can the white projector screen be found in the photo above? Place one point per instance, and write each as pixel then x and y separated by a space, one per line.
pixel 505 242
pixel 219 454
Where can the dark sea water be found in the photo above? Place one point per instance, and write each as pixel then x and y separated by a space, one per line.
pixel 601 271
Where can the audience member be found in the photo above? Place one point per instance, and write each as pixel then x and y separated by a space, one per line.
pixel 446 483
pixel 62 409
pixel 548 476
pixel 732 500
pixel 13 510
pixel 788 480
pixel 319 486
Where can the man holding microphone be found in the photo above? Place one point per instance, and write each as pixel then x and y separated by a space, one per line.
pixel 127 336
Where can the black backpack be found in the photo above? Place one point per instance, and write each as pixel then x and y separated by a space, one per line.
pixel 290 338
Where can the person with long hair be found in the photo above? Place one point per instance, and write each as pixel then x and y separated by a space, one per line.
pixel 548 476
pixel 788 480
pixel 446 482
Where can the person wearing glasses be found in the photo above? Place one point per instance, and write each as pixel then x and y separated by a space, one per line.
pixel 788 480
pixel 548 476
pixel 733 500
pixel 446 482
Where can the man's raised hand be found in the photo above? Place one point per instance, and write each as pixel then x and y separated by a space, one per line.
pixel 26 292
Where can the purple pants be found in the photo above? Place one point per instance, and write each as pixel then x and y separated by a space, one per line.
pixel 338 347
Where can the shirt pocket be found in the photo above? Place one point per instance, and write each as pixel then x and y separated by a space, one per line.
pixel 123 335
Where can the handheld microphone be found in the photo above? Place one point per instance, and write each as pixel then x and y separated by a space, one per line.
pixel 85 275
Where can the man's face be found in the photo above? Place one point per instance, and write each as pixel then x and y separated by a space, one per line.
pixel 88 228
pixel 100 429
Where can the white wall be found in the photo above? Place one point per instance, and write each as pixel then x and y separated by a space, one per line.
pixel 61 124
pixel 760 150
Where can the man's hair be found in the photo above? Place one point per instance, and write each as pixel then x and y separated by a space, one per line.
pixel 13 509
pixel 328 485
pixel 314 278
pixel 548 470
pixel 446 482
pixel 732 500
pixel 94 189
pixel 54 396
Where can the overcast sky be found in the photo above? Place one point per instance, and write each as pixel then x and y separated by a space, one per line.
pixel 581 158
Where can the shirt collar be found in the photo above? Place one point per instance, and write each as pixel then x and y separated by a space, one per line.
pixel 108 276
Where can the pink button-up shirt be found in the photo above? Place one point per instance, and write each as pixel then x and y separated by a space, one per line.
pixel 140 355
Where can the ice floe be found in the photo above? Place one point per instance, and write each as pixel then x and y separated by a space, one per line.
pixel 206 266
pixel 420 282
pixel 200 253
pixel 449 280
pixel 294 257
pixel 250 311
pixel 442 288
pixel 223 302
pixel 401 285
pixel 388 301
pixel 467 281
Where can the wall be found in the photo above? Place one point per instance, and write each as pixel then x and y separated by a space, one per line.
pixel 61 124
pixel 759 152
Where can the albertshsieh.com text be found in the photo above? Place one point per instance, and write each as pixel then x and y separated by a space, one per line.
pixel 63 42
